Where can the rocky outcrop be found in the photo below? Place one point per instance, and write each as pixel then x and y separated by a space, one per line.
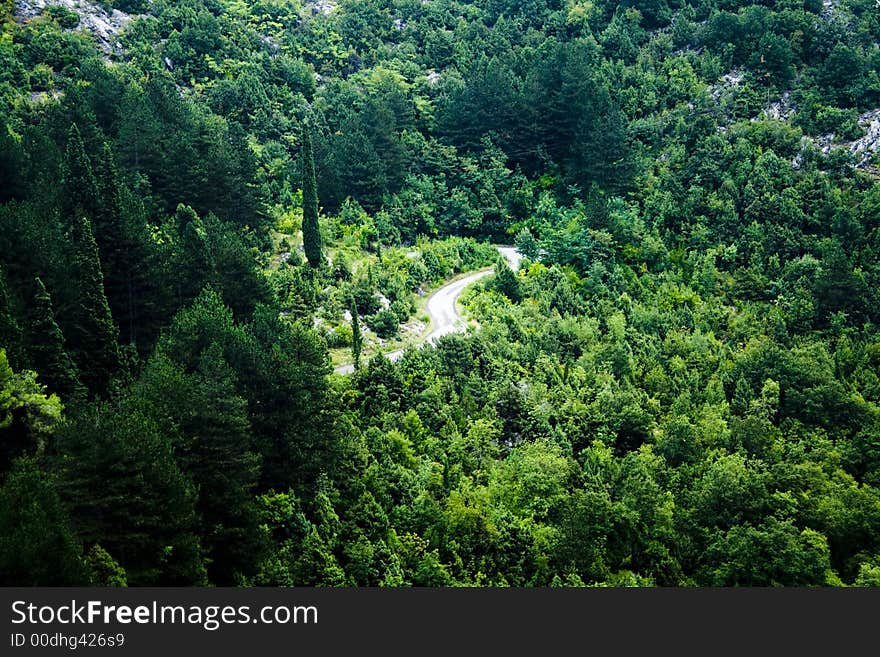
pixel 865 147
pixel 321 6
pixel 103 25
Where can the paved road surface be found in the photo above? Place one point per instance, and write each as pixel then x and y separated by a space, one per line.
pixel 441 306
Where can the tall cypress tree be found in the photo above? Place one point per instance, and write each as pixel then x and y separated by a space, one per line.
pixel 48 354
pixel 357 339
pixel 92 334
pixel 310 228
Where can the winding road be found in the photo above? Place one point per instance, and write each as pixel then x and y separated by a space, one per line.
pixel 441 306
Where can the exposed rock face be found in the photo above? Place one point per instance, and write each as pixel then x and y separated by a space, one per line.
pixel 321 6
pixel 863 148
pixel 104 25
pixel 780 110
pixel 728 82
pixel 827 9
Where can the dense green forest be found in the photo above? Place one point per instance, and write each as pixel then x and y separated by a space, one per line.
pixel 206 205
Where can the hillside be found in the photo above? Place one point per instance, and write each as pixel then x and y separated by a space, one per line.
pixel 207 205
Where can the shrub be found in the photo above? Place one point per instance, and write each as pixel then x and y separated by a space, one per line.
pixel 384 323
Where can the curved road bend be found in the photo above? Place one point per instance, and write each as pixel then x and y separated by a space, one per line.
pixel 441 306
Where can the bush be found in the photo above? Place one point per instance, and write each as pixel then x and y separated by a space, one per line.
pixel 843 123
pixel 384 323
pixel 401 309
pixel 290 222
pixel 41 78
pixel 339 337
pixel 66 18
pixel 341 268
pixel 365 299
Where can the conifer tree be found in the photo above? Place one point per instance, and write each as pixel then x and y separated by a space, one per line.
pixel 310 227
pixel 225 470
pixel 506 281
pixel 120 255
pixel 526 244
pixel 86 318
pixel 124 490
pixel 92 335
pixel 108 220
pixel 10 331
pixel 48 354
pixel 357 339
pixel 81 194
pixel 213 447
pixel 195 265
pixel 37 547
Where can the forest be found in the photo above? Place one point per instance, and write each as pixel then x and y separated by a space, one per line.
pixel 207 206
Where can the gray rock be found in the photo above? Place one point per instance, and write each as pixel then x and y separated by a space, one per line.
pixel 93 18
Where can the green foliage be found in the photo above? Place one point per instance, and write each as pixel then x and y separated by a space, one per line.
pixel 384 323
pixel 27 414
pixel 123 489
pixel 47 351
pixel 209 253
pixel 526 244
pixel 105 570
pixel 774 554
pixel 310 226
pixel 357 339
pixel 66 18
pixel 678 388
pixel 506 281
pixel 214 450
pixel 91 332
pixel 37 546
pixel 10 331
pixel 81 196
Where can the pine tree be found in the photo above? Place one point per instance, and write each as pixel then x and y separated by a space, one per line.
pixel 742 397
pixel 86 318
pixel 48 354
pixel 357 340
pixel 108 221
pixel 224 469
pixel 81 195
pixel 310 227
pixel 106 571
pixel 213 447
pixel 10 331
pixel 124 490
pixel 506 281
pixel 121 256
pixel 526 244
pixel 37 547
pixel 92 334
pixel 195 265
